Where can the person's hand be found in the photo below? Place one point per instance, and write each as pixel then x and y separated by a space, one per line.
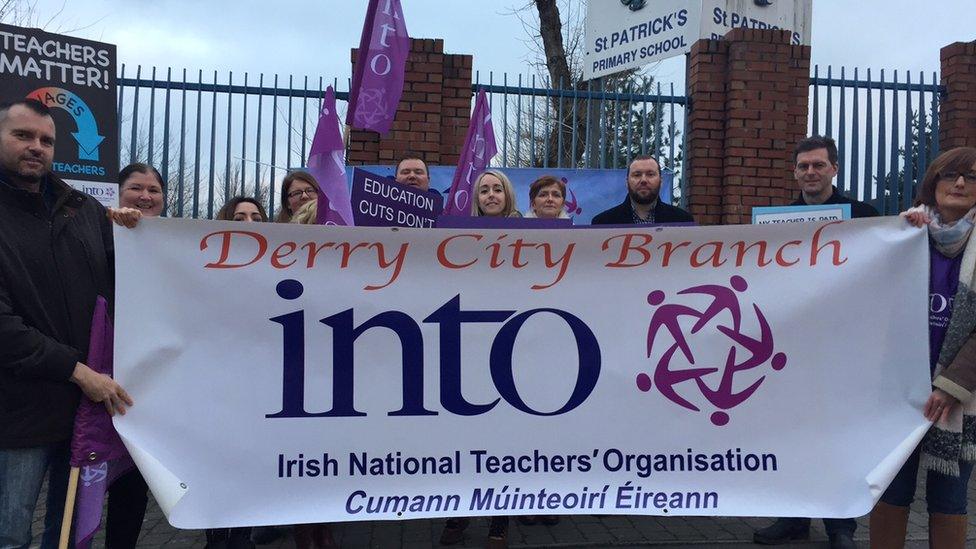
pixel 101 388
pixel 126 217
pixel 939 405
pixel 917 218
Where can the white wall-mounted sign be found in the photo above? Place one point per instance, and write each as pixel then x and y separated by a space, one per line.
pixel 626 34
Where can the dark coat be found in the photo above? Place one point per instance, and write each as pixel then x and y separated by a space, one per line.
pixel 56 256
pixel 624 214
pixel 858 208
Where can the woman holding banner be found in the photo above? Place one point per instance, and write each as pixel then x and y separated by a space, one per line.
pixel 547 198
pixel 495 196
pixel 309 536
pixel 947 204
pixel 297 189
pixel 141 188
pixel 242 208
pixel 239 208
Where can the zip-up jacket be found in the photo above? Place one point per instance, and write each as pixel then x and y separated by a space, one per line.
pixel 56 256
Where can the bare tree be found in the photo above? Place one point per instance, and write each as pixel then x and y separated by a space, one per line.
pixel 25 13
pixel 18 12
pixel 578 128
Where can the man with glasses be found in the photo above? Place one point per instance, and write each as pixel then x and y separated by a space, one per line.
pixel 815 166
pixel 815 162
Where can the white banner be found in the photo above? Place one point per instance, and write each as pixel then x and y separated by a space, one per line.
pixel 627 34
pixel 290 374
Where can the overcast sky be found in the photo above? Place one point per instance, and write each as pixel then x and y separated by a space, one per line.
pixel 309 37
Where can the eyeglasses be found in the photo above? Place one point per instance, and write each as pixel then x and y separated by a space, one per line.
pixel 817 166
pixel 968 177
pixel 307 192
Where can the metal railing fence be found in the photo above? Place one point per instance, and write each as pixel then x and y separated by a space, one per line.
pixel 213 136
pixel 887 130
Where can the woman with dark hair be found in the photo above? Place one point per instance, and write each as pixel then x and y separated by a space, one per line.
pixel 239 208
pixel 947 204
pixel 141 188
pixel 297 189
pixel 547 198
pixel 242 208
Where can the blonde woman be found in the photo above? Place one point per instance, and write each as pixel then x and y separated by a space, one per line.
pixel 494 196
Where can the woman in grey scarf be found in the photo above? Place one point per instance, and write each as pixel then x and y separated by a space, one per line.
pixel 946 203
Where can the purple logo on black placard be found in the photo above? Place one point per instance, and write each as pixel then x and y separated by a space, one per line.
pixel 722 315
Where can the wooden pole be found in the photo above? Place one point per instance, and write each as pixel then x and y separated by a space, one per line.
pixel 346 130
pixel 69 509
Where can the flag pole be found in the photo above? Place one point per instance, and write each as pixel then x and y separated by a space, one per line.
pixel 345 135
pixel 69 509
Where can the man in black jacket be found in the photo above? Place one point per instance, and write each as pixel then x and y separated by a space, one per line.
pixel 55 259
pixel 641 204
pixel 815 163
pixel 815 167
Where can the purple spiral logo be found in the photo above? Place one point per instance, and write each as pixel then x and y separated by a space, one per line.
pixel 715 382
pixel 572 204
pixel 372 107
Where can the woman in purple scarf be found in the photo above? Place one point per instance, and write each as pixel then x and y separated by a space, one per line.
pixel 946 203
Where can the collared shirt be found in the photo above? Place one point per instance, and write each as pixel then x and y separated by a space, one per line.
pixel 636 219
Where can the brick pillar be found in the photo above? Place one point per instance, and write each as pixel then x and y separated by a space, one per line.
pixel 433 114
pixel 707 67
pixel 957 113
pixel 748 98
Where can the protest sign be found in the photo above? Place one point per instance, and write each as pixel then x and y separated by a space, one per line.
pixel 75 78
pixel 299 374
pixel 764 215
pixel 382 202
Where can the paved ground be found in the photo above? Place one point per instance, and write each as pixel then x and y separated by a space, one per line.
pixel 575 531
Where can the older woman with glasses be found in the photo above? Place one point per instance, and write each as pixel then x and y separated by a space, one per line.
pixel 947 204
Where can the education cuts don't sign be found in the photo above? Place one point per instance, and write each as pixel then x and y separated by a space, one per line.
pixel 290 374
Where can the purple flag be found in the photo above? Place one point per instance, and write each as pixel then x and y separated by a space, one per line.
pixel 96 448
pixel 479 148
pixel 377 83
pixel 327 164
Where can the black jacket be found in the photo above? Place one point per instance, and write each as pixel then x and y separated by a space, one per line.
pixel 56 256
pixel 858 208
pixel 624 214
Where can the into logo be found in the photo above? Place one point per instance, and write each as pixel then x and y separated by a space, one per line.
pixel 713 381
pixel 635 5
pixel 572 204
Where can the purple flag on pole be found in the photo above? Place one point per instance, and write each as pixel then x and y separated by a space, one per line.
pixel 96 448
pixel 377 83
pixel 479 148
pixel 327 164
